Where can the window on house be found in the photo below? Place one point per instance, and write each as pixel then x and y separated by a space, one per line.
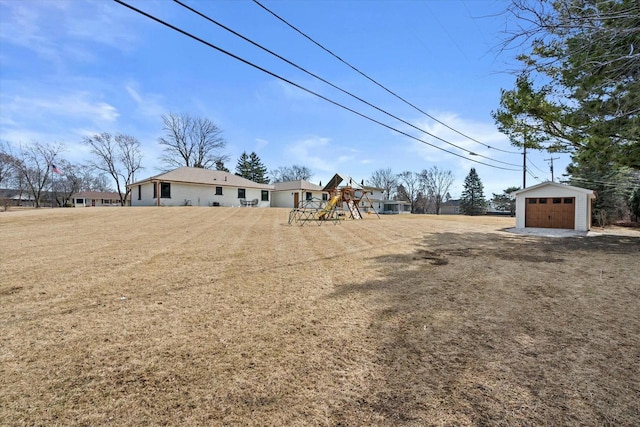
pixel 557 200
pixel 241 193
pixel 106 201
pixel 155 190
pixel 218 191
pixel 165 190
pixel 308 196
pixel 325 196
pixel 265 195
pixel 542 201
pixel 568 201
pixel 532 201
pixel 139 192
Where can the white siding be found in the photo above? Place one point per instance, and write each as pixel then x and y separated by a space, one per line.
pixel 284 198
pixel 582 204
pixel 196 195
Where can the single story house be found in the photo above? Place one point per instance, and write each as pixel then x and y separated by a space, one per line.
pixel 290 194
pixel 553 205
pixel 187 186
pixel 396 207
pixel 95 198
pixel 450 207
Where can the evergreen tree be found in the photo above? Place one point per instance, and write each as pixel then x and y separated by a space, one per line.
pixel 472 201
pixel 220 166
pixel 251 167
pixel 243 168
pixel 258 169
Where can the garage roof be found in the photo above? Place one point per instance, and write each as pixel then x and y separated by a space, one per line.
pixel 589 193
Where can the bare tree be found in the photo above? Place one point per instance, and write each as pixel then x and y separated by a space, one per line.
pixel 191 141
pixel 437 183
pixel 385 179
pixel 7 163
pixel 34 163
pixel 410 187
pixel 118 156
pixel 290 173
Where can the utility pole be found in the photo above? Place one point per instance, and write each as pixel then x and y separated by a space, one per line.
pixel 551 159
pixel 524 166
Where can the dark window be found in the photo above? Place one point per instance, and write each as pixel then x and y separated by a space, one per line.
pixel 568 201
pixel 542 201
pixel 139 192
pixel 265 195
pixel 218 191
pixel 325 196
pixel 532 201
pixel 557 200
pixel 80 201
pixel 241 193
pixel 308 196
pixel 155 190
pixel 165 190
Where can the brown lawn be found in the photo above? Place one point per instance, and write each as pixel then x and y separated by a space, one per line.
pixel 228 316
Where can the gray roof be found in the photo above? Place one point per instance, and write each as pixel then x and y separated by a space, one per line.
pixel 205 176
pixel 557 185
pixel 300 184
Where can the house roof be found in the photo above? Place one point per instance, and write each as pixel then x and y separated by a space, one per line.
pixel 204 176
pixel 96 195
pixel 300 184
pixel 586 191
pixel 344 179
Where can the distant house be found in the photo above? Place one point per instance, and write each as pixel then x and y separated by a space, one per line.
pixel 450 207
pixel 290 194
pixel 11 197
pixel 376 196
pixel 391 207
pixel 187 186
pixel 95 198
pixel 552 205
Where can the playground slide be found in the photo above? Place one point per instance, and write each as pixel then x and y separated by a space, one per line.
pixel 332 203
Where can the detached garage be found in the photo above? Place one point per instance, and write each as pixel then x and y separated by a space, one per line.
pixel 552 205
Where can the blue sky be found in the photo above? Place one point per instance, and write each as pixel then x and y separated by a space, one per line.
pixel 74 68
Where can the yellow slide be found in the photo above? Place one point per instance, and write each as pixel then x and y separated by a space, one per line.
pixel 332 203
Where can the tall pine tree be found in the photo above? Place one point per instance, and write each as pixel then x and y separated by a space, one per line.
pixel 473 201
pixel 251 167
pixel 258 169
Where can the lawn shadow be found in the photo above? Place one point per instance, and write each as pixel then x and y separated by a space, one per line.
pixel 484 328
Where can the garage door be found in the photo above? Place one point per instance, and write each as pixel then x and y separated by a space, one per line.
pixel 550 212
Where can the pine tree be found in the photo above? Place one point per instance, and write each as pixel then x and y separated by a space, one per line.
pixel 252 168
pixel 220 166
pixel 258 169
pixel 472 201
pixel 243 167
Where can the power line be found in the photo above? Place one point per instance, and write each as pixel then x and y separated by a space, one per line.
pixel 221 50
pixel 258 45
pixel 376 82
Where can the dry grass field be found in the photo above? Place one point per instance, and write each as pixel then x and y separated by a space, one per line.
pixel 228 316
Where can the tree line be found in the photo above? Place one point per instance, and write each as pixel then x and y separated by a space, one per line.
pixel 428 190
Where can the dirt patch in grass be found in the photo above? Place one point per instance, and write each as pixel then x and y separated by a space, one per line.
pixel 228 316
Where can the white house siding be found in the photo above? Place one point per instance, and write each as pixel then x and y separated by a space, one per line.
pixel 285 198
pixel 582 203
pixel 196 195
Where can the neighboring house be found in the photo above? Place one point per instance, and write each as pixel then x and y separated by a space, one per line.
pixel 199 187
pixel 396 207
pixel 450 207
pixel 292 194
pixel 552 205
pixel 95 198
pixel 10 197
pixel 376 196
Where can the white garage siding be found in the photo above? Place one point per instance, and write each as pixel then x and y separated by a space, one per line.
pixel 551 190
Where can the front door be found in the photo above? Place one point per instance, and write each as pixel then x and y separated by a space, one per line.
pixel 296 199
